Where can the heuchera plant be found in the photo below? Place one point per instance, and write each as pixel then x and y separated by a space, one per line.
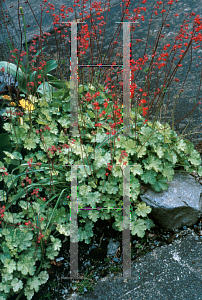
pixel 38 190
pixel 40 185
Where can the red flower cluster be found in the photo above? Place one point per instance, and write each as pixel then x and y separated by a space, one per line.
pixel 35 192
pixel 28 180
pixel 88 97
pixel 40 237
pixel 2 209
pixel 52 149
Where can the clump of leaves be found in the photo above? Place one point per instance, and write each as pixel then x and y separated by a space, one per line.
pixel 38 190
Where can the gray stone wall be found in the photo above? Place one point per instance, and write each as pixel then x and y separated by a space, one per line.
pixel 10 32
pixel 187 99
pixel 33 14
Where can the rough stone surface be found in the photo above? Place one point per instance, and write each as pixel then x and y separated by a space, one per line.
pixel 33 15
pixel 184 104
pixel 179 205
pixel 8 31
pixel 169 272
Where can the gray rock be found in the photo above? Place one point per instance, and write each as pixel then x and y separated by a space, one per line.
pixel 8 31
pixel 179 205
pixel 112 247
pixel 47 23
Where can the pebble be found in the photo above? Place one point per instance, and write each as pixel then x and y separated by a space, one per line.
pixel 115 259
pixel 59 259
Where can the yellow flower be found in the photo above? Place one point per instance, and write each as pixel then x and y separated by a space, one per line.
pixel 6 97
pixel 26 105
pixel 13 104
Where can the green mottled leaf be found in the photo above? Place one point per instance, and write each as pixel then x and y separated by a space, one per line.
pixel 93 198
pixel 138 227
pixel 64 229
pixel 43 277
pixel 141 151
pixel 181 145
pixel 99 137
pixel 2 195
pixel 160 184
pixel 12 218
pixel 14 155
pixel 171 156
pixel 85 233
pixel 149 223
pixel 149 177
pixel 84 190
pixel 10 265
pixel 46 113
pixel 130 146
pixel 100 159
pixel 159 150
pixel 135 188
pixel 110 187
pixel 154 163
pixel 29 293
pixel 93 215
pixel 65 122
pixel 142 209
pixel 121 223
pixel 136 169
pixel 17 284
pixel 199 170
pixel 168 171
pixel 195 158
pixel 56 243
pixel 34 284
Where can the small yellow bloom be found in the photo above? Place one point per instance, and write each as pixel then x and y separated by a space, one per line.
pixel 26 105
pixel 6 97
pixel 13 104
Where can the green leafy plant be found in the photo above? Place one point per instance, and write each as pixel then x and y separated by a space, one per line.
pixel 43 180
pixel 36 198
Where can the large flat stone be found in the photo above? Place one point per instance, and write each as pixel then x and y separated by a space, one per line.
pixel 179 205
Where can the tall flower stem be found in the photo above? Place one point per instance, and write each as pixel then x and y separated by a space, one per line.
pixel 23 18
